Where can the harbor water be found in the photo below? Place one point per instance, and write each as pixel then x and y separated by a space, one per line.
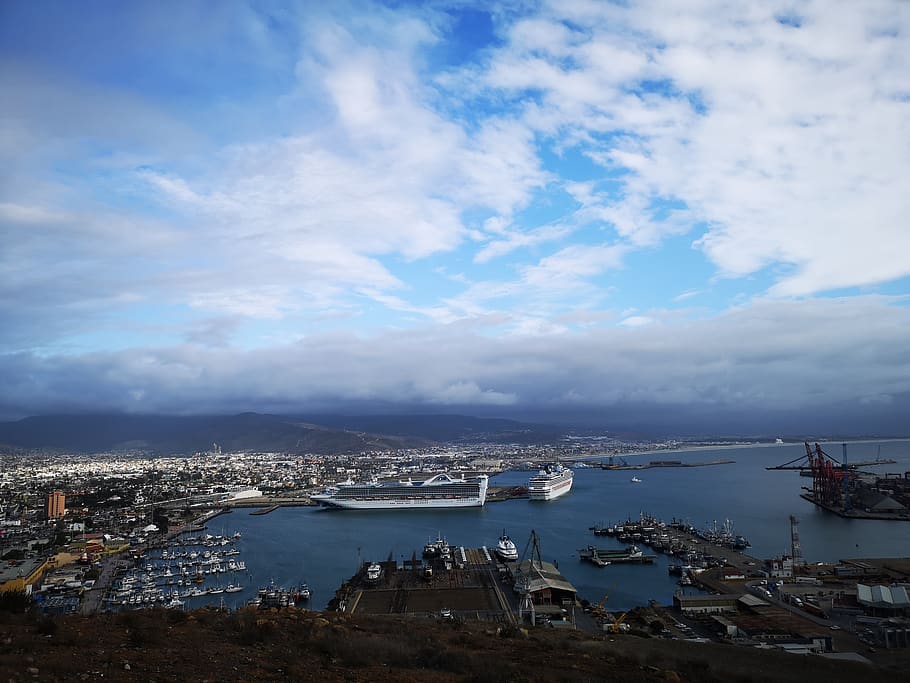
pixel 325 547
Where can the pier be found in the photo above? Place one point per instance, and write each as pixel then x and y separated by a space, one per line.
pixel 463 583
pixel 602 557
pixel 699 549
pixel 664 463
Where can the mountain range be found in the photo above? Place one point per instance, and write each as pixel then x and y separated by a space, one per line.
pixel 323 434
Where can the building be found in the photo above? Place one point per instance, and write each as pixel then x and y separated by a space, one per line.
pixel 56 505
pixel 21 575
pixel 706 604
pixel 883 601
pixel 779 567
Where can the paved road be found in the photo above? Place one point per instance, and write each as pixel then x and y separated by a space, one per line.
pixel 91 602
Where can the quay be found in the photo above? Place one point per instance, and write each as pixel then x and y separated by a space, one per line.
pixel 603 557
pixel 265 511
pixel 664 463
pixel 899 515
pixel 683 541
pixel 462 583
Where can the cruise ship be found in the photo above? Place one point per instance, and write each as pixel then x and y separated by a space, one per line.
pixel 441 491
pixel 551 482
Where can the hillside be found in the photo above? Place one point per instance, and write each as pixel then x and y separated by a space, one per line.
pixel 451 428
pixel 161 645
pixel 185 435
pixel 254 431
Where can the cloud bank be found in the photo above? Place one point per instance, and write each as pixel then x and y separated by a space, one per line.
pixel 556 206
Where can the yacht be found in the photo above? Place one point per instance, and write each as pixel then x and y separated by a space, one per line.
pixel 374 571
pixel 505 548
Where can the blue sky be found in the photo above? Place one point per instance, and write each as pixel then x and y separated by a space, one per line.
pixel 214 206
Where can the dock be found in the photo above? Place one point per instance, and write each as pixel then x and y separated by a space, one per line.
pixel 471 584
pixel 602 557
pixel 265 511
pixel 665 463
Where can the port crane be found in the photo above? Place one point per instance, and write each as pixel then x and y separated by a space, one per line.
pixel 830 478
pixel 598 609
pixel 617 624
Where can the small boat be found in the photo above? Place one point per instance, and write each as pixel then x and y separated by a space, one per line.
pixel 636 480
pixel 302 594
pixel 231 588
pixel 437 548
pixel 505 549
pixel 374 571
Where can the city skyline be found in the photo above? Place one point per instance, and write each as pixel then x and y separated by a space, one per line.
pixel 692 210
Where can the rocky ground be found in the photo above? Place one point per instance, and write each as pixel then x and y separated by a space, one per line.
pixel 291 645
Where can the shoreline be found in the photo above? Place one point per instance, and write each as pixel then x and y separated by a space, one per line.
pixel 728 446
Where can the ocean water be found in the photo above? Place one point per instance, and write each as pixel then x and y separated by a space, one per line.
pixel 325 547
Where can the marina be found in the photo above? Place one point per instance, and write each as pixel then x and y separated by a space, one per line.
pixel 189 567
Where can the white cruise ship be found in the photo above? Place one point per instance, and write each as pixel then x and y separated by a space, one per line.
pixel 441 491
pixel 551 482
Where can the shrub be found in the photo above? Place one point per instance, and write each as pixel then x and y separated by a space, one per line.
pixel 14 601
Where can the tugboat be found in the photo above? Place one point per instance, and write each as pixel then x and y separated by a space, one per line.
pixel 437 548
pixel 505 549
pixel 302 594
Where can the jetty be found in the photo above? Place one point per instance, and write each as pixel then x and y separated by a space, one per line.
pixel 602 557
pixel 457 582
pixel 664 463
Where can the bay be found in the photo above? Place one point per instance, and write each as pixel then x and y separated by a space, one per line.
pixel 325 547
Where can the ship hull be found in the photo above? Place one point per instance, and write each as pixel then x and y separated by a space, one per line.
pixel 439 492
pixel 391 504
pixel 551 492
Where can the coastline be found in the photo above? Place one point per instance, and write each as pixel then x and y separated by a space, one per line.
pixel 728 446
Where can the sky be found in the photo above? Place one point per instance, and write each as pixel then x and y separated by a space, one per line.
pixel 644 212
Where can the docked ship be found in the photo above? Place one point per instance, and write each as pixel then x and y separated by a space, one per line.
pixel 505 549
pixel 441 491
pixel 551 482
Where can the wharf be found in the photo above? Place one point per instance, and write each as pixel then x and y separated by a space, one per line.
pixel 897 516
pixel 475 586
pixel 265 511
pixel 270 502
pixel 683 542
pixel 602 557
pixel 498 494
pixel 665 463
pixel 470 589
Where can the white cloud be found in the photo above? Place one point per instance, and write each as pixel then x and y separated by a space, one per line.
pixel 798 156
pixel 773 355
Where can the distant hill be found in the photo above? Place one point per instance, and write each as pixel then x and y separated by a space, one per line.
pixel 168 434
pixel 254 431
pixel 449 428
